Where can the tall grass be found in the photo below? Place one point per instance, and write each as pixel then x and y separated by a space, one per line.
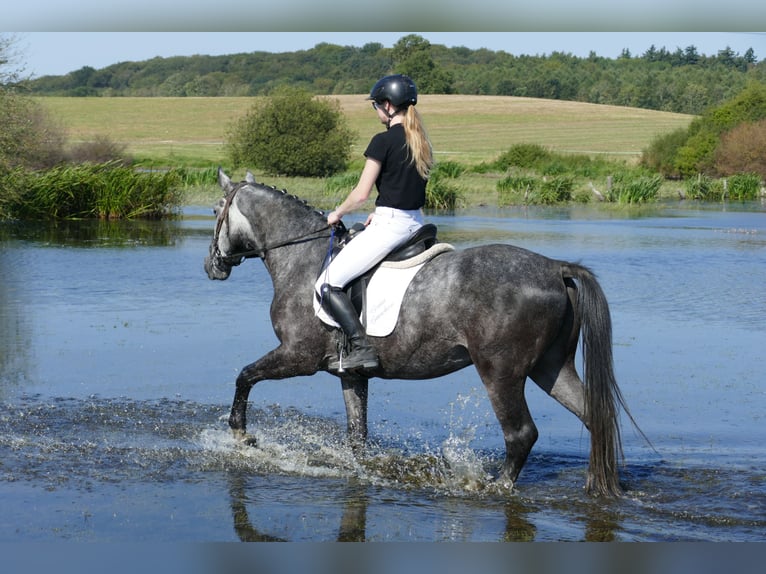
pixel 106 191
pixel 191 177
pixel 743 186
pixel 442 191
pixel 338 186
pixel 704 188
pixel 740 187
pixel 630 187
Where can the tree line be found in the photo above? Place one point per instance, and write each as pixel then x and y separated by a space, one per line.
pixel 682 80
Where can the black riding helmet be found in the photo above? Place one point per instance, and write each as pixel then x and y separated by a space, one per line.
pixel 398 89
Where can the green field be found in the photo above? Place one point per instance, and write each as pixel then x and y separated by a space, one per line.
pixel 468 129
pixel 190 132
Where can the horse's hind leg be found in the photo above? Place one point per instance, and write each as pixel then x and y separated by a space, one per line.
pixel 355 397
pixel 563 384
pixel 555 371
pixel 506 393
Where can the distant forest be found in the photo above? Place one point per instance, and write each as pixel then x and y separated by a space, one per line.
pixel 682 80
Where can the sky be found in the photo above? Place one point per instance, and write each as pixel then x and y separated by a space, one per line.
pixel 56 53
pixel 351 15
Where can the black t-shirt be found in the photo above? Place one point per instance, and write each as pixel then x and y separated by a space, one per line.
pixel 399 183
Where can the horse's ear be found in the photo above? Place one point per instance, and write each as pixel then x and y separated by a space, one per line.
pixel 223 180
pixel 249 177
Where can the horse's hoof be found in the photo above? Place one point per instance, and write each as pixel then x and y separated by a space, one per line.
pixel 245 439
pixel 250 440
pixel 503 481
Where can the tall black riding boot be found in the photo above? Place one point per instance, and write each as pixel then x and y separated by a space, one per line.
pixel 337 303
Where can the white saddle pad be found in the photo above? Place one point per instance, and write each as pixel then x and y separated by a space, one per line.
pixel 385 292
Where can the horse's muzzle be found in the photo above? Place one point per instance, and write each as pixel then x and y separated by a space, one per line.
pixel 216 268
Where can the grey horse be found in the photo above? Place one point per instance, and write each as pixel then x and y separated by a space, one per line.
pixel 512 313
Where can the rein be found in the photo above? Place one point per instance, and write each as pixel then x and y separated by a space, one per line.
pixel 236 258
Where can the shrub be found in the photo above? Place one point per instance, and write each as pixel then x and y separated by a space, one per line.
pixel 450 169
pixel 524 156
pixel 29 137
pixel 662 150
pixel 293 134
pixel 743 150
pixel 556 167
pixel 697 154
pixel 690 151
pixel 102 149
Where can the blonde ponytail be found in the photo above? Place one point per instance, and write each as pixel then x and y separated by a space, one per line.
pixel 418 142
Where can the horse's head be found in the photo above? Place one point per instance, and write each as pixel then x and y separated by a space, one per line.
pixel 232 231
pixel 256 220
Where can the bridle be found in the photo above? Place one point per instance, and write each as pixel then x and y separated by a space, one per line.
pixel 237 258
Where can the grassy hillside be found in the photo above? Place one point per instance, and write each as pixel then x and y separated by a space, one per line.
pixel 468 129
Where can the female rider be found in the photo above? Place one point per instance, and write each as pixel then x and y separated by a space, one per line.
pixel 398 162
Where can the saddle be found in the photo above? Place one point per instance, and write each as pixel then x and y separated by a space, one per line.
pixel 398 267
pixel 423 239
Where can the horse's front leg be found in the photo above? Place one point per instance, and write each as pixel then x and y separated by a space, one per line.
pixel 238 415
pixel 355 397
pixel 280 363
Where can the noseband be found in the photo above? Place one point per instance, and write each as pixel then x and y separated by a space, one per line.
pixel 237 258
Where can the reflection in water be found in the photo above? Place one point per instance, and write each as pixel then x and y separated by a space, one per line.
pixel 93 233
pixel 244 528
pixel 352 526
pixel 518 528
pixel 601 520
pixel 601 523
pixel 15 336
pixel 353 523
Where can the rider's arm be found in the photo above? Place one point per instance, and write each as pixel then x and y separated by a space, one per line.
pixel 359 194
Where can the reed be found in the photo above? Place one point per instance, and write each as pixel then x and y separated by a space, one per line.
pixel 515 189
pixel 743 186
pixel 87 191
pixel 704 188
pixel 630 188
pixel 442 191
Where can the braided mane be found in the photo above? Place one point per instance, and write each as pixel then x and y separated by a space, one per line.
pixel 282 194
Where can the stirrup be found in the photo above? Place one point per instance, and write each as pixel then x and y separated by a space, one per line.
pixel 366 359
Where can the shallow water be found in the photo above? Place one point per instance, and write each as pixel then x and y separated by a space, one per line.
pixel 119 355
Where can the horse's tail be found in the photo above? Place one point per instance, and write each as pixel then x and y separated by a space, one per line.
pixel 603 398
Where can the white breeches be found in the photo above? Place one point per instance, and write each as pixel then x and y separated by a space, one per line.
pixel 388 229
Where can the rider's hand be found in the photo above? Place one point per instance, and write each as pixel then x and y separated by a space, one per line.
pixel 333 218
